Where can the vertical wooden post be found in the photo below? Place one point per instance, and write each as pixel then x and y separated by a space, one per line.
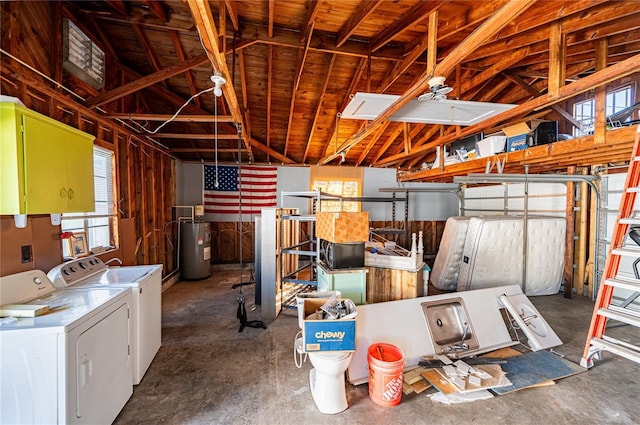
pixel 568 256
pixel 432 42
pixel 581 227
pixel 557 55
pixel 600 123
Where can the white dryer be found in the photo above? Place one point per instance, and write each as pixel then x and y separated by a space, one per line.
pixel 71 365
pixel 145 283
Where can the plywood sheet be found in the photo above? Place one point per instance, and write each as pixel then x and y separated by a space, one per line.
pixel 536 367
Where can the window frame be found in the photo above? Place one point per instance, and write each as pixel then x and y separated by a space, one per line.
pixel 105 206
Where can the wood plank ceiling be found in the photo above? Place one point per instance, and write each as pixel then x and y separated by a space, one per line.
pixel 291 66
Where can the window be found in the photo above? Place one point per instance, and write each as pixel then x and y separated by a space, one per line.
pixel 585 111
pixel 348 188
pixel 99 225
pixel 82 57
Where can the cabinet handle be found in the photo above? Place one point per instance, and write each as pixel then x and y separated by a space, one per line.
pixel 63 193
pixel 70 193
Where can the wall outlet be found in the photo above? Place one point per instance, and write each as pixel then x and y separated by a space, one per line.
pixel 26 254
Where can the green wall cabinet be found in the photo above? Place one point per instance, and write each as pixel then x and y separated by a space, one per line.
pixel 46 166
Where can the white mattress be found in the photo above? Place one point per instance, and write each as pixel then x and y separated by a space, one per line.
pixel 492 254
pixel 444 274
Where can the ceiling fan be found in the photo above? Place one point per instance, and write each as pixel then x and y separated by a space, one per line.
pixel 437 90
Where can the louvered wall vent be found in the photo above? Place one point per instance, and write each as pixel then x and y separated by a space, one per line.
pixel 82 57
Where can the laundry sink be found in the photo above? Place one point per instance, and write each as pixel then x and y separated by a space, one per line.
pixel 449 326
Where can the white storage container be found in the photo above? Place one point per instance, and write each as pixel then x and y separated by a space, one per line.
pixel 491 145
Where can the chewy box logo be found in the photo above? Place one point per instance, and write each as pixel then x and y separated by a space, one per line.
pixel 330 335
pixel 517 143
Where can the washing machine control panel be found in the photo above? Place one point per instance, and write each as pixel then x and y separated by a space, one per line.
pixel 67 274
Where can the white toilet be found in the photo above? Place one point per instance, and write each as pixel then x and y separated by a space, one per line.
pixel 326 380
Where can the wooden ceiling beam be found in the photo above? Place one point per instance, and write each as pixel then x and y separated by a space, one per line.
pixel 395 132
pixel 372 141
pixel 360 14
pixel 506 62
pixel 245 96
pixel 608 19
pixel 359 70
pixel 491 26
pixel 119 6
pixel 269 92
pixel 557 56
pixel 535 93
pixel 233 14
pixel 415 15
pixel 165 117
pixel 191 136
pixel 158 9
pixel 205 24
pixel 614 72
pixel 274 153
pixel 307 28
pixel 302 57
pixel 206 150
pixel 177 45
pixel 316 115
pixel 272 11
pixel 401 67
pixel 147 48
pixel 147 81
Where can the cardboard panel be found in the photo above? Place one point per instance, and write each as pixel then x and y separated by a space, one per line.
pixel 343 227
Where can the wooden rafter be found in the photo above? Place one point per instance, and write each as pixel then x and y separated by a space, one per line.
pixel 314 8
pixel 316 115
pixel 360 14
pixel 148 49
pixel 146 81
pixel 535 93
pixel 372 141
pixel 302 57
pixel 499 66
pixel 206 150
pixel 177 45
pixel 269 91
pixel 245 96
pixel 209 35
pixel 347 97
pixel 395 132
pixel 119 6
pixel 178 118
pixel 272 11
pixel 413 16
pixel 401 67
pixel 489 28
pixel 158 9
pixel 233 14
pixel 192 136
pixel 274 153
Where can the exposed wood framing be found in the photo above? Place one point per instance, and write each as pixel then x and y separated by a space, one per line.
pixel 601 93
pixel 364 9
pixel 147 81
pixel 557 55
pixel 490 27
pixel 327 79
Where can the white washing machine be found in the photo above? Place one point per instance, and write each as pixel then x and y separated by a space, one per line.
pixel 145 283
pixel 71 365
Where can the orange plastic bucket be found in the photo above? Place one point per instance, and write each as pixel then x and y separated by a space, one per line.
pixel 386 363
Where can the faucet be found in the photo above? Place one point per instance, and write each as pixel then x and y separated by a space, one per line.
pixel 113 259
pixel 461 346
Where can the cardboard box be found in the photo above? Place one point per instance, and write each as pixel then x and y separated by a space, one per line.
pixel 516 136
pixel 341 227
pixel 326 335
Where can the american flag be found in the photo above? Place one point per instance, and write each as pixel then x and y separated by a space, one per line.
pixel 253 186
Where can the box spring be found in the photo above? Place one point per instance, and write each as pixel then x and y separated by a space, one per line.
pixel 493 249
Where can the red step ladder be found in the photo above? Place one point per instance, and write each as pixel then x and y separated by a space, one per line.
pixel 597 340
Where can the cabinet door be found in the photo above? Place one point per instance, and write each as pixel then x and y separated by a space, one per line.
pixel 58 167
pixel 79 159
pixel 45 169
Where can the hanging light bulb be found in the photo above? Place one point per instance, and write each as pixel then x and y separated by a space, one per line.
pixel 218 80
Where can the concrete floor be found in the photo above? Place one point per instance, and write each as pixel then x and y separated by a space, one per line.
pixel 208 373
